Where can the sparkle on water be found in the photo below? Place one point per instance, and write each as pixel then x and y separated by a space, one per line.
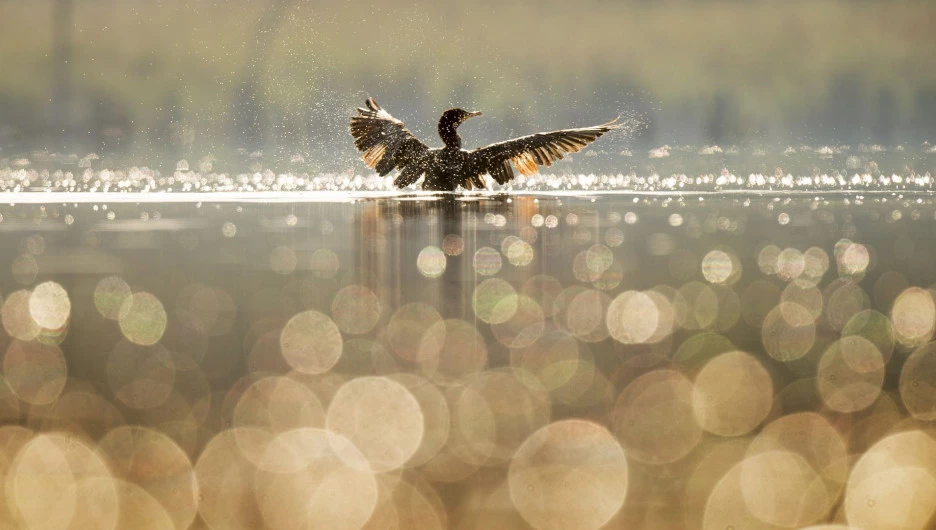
pixel 713 168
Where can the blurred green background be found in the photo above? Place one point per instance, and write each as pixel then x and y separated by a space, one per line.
pixel 197 75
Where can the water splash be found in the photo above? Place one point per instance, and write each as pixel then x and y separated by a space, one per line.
pixel 666 169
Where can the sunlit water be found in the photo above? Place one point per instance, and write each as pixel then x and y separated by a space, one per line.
pixel 663 169
pixel 667 356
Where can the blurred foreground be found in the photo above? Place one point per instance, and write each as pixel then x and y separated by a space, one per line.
pixel 635 362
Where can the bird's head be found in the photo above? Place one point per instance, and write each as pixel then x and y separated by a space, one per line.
pixel 456 116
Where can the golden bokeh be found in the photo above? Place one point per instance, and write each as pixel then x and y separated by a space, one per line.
pixel 494 301
pixel 732 395
pixel 142 319
pixel 892 485
pixel 714 462
pixel 487 261
pixel 139 509
pixel 654 420
pixel 229 229
pixel 49 305
pixel 598 258
pixel 721 267
pixel 610 278
pixel 431 262
pixel 435 413
pixel 406 503
pixel 767 259
pixel 791 263
pixel 451 349
pixel 110 293
pixel 507 241
pixel 634 318
pixel 844 300
pixel 876 327
pixel 543 289
pixel 895 498
pixel 817 264
pixel 59 482
pixel 585 315
pixel 549 363
pixel 381 418
pixel 307 480
pixel 852 258
pixel 453 245
pixel 17 320
pixel 311 342
pixel 812 458
pixel 520 253
pixel 914 317
pixel 9 404
pixel 569 474
pixel 806 295
pixel 850 374
pixel 283 260
pixel 788 332
pixel 523 328
pixel 79 411
pixel 154 462
pixel 493 414
pixel 406 329
pixel 918 383
pixel 226 471
pixel 277 404
pixel 35 372
pixel 324 263
pixel 781 488
pixel 542 362
pixel 726 507
pixel 700 305
pixel 355 309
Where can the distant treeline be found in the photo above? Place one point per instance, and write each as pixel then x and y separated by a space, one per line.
pixel 207 74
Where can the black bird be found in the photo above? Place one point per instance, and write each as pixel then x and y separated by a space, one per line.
pixel 388 145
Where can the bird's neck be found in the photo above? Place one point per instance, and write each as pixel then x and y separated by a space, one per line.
pixel 448 131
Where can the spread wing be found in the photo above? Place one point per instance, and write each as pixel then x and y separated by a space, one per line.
pixel 528 152
pixel 387 144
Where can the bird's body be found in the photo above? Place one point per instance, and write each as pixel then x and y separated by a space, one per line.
pixel 388 145
pixel 444 162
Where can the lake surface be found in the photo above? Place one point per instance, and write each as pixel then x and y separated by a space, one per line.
pixel 750 352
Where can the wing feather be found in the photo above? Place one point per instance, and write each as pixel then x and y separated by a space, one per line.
pixel 407 176
pixel 386 144
pixel 527 153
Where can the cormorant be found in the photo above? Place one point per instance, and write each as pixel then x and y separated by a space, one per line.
pixel 388 145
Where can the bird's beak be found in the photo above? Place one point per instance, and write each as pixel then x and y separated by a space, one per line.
pixel 473 114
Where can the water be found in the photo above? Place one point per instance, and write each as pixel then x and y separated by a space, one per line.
pixel 662 169
pixel 737 354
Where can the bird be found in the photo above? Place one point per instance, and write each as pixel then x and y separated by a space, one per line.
pixel 386 144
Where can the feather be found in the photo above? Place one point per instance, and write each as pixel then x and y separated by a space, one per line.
pixel 527 153
pixel 385 142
